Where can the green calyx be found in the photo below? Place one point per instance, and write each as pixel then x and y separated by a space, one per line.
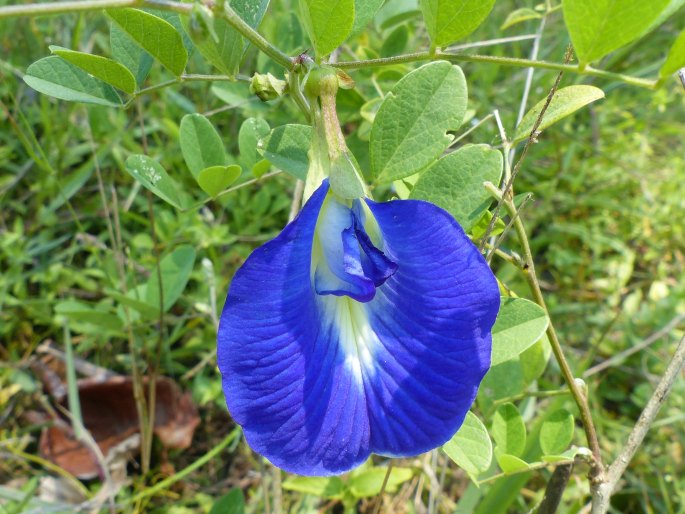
pixel 329 155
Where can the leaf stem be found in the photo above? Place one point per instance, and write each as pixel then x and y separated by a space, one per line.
pixel 492 59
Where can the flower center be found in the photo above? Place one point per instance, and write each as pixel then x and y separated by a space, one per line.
pixel 345 260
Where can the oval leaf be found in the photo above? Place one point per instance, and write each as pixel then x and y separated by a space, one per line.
pixel 286 148
pixel 155 178
pixel 54 76
pixel 364 11
pixel 556 432
pixel 201 145
pixel 102 68
pixel 410 128
pixel 566 101
pixel 598 27
pixel 455 182
pixel 128 53
pixel 450 20
pixel 519 324
pixel 470 448
pixel 251 131
pixel 155 35
pixel 175 269
pixel 510 464
pixel 328 23
pixel 215 179
pixel 508 430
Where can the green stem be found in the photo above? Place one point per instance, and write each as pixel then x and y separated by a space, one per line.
pixel 504 61
pixel 534 285
pixel 181 80
pixel 227 13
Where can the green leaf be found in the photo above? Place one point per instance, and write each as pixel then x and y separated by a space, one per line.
pixel 455 182
pixel 328 23
pixel 251 131
pixel 102 68
pixel 508 430
pixel 410 128
pixel 556 432
pixel 534 359
pixel 510 463
pixel 54 76
pixel 175 270
pixel 155 35
pixel 261 168
pixel 369 482
pixel 155 178
pixel 227 51
pixel 128 53
pixel 132 300
pixel 215 179
pixel 598 27
pixel 231 503
pixel 566 101
pixel 201 144
pixel 450 20
pixel 323 487
pixel 80 312
pixel 364 12
pixel 676 57
pixel 470 447
pixel 519 324
pixel 286 148
pixel 520 15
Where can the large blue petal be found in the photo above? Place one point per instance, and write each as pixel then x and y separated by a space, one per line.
pixel 283 370
pixel 432 320
pixel 320 381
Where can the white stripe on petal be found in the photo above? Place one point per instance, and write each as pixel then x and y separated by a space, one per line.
pixel 349 319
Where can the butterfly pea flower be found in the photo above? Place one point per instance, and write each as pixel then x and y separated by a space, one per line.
pixel 362 328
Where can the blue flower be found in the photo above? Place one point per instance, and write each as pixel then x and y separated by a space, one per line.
pixel 362 328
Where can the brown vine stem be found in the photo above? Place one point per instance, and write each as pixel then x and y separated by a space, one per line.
pixel 601 492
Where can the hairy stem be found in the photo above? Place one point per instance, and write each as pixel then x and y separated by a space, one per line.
pixel 492 59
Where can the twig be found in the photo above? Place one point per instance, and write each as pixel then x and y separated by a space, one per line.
pixel 601 492
pixel 615 359
pixel 508 189
pixel 530 72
